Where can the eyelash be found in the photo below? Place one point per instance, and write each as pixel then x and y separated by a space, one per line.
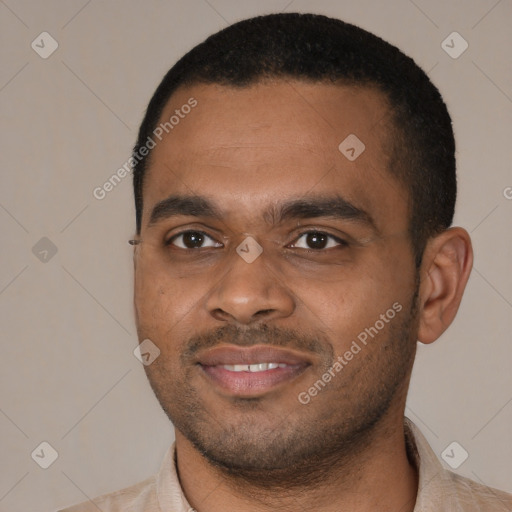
pixel 339 241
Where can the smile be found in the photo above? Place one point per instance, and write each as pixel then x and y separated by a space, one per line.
pixel 251 371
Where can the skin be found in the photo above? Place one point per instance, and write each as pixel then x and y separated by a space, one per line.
pixel 249 150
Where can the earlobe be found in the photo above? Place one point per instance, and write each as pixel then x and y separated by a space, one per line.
pixel 135 243
pixel 447 263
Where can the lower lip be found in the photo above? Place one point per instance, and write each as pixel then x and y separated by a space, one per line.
pixel 251 384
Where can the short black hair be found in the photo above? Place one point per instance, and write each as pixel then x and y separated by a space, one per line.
pixel 317 48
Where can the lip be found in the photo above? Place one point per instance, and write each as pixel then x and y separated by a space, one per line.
pixel 251 384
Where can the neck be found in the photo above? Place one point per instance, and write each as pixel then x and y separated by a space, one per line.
pixel 377 475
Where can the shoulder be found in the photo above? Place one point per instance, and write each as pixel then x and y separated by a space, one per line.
pixel 139 497
pixel 472 496
pixel 442 490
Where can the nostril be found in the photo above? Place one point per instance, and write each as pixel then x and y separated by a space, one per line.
pixel 263 312
pixel 220 314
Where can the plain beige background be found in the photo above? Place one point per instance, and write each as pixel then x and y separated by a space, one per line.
pixel 68 373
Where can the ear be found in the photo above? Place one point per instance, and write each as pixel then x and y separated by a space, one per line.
pixel 136 249
pixel 445 269
pixel 135 242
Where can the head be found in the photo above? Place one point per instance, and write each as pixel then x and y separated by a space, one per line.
pixel 326 157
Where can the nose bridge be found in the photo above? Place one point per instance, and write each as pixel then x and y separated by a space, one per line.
pixel 249 289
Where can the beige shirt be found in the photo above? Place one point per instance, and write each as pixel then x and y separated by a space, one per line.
pixel 439 490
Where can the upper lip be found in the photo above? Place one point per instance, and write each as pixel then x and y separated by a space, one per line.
pixel 230 355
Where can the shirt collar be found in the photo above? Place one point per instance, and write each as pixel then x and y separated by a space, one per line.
pixel 168 488
pixel 435 484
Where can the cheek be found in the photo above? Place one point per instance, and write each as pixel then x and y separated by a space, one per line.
pixel 347 306
pixel 162 302
pixel 345 309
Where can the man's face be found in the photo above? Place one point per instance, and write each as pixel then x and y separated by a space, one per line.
pixel 259 168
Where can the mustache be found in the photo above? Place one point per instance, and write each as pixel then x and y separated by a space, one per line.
pixel 317 343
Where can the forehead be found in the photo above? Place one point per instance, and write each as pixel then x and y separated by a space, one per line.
pixel 261 143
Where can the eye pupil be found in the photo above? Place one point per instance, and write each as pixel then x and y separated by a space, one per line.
pixel 192 239
pixel 316 240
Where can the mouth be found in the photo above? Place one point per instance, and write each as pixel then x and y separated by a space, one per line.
pixel 251 371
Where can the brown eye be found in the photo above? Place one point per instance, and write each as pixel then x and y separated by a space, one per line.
pixel 317 240
pixel 193 240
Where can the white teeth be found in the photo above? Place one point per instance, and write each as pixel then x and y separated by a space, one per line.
pixel 258 367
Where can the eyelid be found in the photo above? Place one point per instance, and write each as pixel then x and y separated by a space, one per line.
pixel 196 227
pixel 169 240
pixel 340 241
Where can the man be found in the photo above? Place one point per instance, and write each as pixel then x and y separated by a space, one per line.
pixel 294 184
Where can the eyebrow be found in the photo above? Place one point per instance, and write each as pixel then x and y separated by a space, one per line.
pixel 193 206
pixel 334 207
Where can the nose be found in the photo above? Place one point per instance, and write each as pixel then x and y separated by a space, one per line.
pixel 250 292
